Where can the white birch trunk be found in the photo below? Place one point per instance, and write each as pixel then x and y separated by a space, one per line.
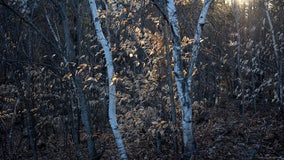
pixel 110 71
pixel 195 50
pixel 188 138
pixel 184 85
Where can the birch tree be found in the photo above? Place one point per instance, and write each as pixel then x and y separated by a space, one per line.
pixel 110 71
pixel 170 84
pixel 184 83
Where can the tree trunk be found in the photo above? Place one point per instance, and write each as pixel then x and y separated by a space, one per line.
pixel 77 84
pixel 187 121
pixel 28 100
pixel 112 88
pixel 277 58
pixel 85 117
pixel 68 42
pixel 11 131
pixel 184 85
pixel 72 112
pixel 240 78
pixel 188 138
pixel 170 84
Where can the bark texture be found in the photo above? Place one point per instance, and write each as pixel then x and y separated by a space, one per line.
pixel 184 84
pixel 112 88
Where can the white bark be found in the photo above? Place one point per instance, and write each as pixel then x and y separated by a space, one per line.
pixel 188 138
pixel 194 55
pixel 197 36
pixel 184 85
pixel 110 71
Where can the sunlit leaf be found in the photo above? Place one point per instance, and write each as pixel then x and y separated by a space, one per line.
pixel 83 66
pixel 83 56
pixel 91 79
pixel 142 42
pixel 154 122
pixel 114 78
pixel 97 67
pixel 67 76
pixel 195 71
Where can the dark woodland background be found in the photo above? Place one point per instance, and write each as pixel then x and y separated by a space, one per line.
pixel 237 97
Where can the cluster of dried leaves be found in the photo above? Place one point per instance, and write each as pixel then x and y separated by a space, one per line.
pixel 221 133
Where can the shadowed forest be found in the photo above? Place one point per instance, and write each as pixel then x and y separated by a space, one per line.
pixel 55 98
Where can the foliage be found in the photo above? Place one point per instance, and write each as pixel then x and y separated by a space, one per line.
pixel 134 29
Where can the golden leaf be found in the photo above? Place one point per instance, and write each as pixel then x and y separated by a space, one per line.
pixel 163 122
pixel 80 71
pixel 67 76
pixel 82 66
pixel 97 67
pixel 91 79
pixel 114 78
pixel 195 71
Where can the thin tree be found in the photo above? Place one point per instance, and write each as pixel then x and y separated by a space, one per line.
pixel 71 112
pixel 277 57
pixel 110 71
pixel 11 131
pixel 171 90
pixel 28 96
pixel 28 99
pixel 77 84
pixel 183 83
pixel 240 78
pixel 253 55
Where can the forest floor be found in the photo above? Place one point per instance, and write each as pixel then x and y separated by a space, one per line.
pixel 231 135
pixel 223 134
